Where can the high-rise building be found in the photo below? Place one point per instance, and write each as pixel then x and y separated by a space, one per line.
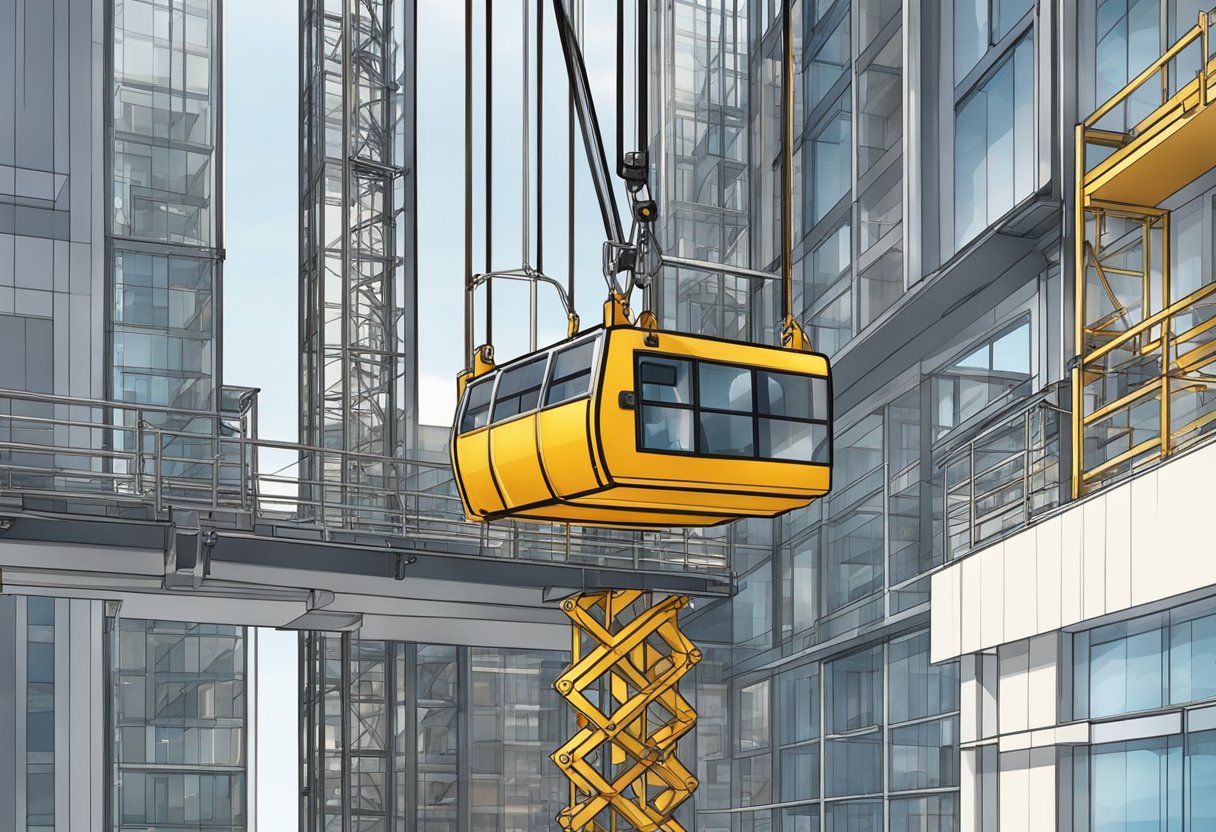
pixel 1000 620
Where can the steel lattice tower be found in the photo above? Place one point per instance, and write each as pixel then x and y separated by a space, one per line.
pixel 357 247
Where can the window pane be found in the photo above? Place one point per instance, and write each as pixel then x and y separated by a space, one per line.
pixel 854 691
pixel 1125 673
pixel 829 262
pixel 1006 14
pixel 854 816
pixel 832 166
pixel 925 756
pixel 874 15
pixel 571 373
pixel 1193 660
pixel 970 35
pixel 881 207
pixel 828 63
pixel 519 389
pixel 800 773
pixel 917 814
pixel 666 428
pixel 786 394
pixel 1201 760
pixel 880 105
pixel 725 388
pixel 726 434
pixel 926 689
pixel 752 608
pixel 476 412
pixel 753 717
pixel 881 284
pixel 798 698
pixel 666 380
pixel 1137 785
pixel 793 441
pixel 854 766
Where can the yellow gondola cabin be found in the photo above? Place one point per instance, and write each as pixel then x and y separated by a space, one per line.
pixel 625 426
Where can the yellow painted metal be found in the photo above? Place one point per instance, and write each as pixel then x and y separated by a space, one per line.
pixel 628 656
pixel 580 462
pixel 1148 347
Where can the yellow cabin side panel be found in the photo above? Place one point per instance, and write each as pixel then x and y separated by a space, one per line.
pixel 472 460
pixel 515 459
pixel 613 517
pixel 566 448
pixel 675 499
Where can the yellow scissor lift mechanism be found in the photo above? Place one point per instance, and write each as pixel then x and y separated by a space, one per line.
pixel 1141 350
pixel 627 426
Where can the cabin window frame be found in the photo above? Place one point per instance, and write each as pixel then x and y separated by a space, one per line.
pixel 697 410
pixel 494 379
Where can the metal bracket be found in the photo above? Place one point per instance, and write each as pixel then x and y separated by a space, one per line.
pixel 188 551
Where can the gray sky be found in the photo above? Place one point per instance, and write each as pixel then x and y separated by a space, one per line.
pixel 261 270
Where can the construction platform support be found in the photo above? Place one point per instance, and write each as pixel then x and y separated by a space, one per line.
pixel 627 658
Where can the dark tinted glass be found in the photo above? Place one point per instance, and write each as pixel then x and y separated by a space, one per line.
pixel 477 409
pixel 666 380
pixel 571 373
pixel 519 389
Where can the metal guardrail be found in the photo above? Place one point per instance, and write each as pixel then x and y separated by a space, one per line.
pixel 88 456
pixel 1004 477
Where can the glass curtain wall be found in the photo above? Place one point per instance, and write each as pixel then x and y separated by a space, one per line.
pixel 701 154
pixel 179 715
pixel 164 209
pixel 850 146
pixel 429 737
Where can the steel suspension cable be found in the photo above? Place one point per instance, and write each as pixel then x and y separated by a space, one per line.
pixel 468 181
pixel 540 136
pixel 489 185
pixel 787 163
pixel 642 25
pixel 526 181
pixel 620 86
pixel 570 192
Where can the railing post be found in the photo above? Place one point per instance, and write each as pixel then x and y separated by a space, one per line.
pixel 971 499
pixel 158 468
pixel 1026 501
pixel 215 480
pixel 139 451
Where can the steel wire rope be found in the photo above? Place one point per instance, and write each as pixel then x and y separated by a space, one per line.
pixel 489 174
pixel 787 164
pixel 468 181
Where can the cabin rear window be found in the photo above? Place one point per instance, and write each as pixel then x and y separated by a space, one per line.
pixel 477 405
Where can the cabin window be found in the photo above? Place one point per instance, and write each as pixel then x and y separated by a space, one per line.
pixel 519 389
pixel 477 405
pixel 666 411
pixel 571 373
pixel 732 411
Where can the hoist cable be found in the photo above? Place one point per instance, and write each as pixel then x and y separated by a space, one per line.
pixel 540 137
pixel 468 180
pixel 570 194
pixel 489 185
pixel 787 163
pixel 601 173
pixel 643 69
pixel 620 87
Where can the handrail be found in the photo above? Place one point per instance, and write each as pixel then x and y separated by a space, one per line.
pixel 1198 31
pixel 1150 322
pixel 411 499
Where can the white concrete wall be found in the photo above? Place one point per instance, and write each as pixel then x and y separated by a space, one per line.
pixel 1146 540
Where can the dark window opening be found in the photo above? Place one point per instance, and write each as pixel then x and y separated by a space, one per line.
pixel 519 389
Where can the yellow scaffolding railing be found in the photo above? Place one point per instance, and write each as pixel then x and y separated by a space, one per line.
pixel 1140 386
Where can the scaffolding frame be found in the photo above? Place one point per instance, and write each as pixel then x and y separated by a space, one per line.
pixel 358 254
pixel 1139 351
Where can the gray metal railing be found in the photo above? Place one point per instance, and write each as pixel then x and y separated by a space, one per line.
pixel 89 456
pixel 1003 477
